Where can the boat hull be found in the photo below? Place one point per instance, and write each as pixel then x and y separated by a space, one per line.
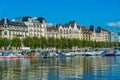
pixel 7 57
pixel 109 54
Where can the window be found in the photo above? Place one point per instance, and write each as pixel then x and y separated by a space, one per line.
pixel 5 32
pixel 5 26
pixel 66 31
pixel 60 31
pixel 52 34
pixel 70 31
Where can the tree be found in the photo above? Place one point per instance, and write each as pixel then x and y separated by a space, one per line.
pixel 28 42
pixel 63 43
pixel 36 42
pixel 43 42
pixel 75 42
pixel 1 43
pixel 51 41
pixel 69 43
pixel 57 43
pixel 15 42
pixel 5 43
pixel 84 43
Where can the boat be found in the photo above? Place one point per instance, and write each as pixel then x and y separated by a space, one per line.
pixel 89 54
pixel 10 56
pixel 108 53
pixel 113 53
pixel 79 53
pixel 31 53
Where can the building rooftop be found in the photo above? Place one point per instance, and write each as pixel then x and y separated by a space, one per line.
pixel 84 29
pixel 52 29
pixel 25 18
pixel 41 19
pixel 65 25
pixel 72 23
pixel 6 21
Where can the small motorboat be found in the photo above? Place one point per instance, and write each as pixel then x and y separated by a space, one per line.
pixel 113 53
pixel 89 54
pixel 110 54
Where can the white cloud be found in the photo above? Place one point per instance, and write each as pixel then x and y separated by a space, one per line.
pixel 34 17
pixel 49 24
pixel 13 20
pixel 114 24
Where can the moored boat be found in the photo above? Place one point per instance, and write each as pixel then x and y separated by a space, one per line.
pixel 89 54
pixel 112 53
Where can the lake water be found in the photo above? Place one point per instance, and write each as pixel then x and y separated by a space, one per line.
pixel 75 68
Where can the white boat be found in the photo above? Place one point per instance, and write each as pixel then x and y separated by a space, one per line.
pixel 89 54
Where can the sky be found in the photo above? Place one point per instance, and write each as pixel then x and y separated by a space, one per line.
pixel 104 13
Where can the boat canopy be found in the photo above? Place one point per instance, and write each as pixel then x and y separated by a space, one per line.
pixel 114 51
pixel 6 53
pixel 104 52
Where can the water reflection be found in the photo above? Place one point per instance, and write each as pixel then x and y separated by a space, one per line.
pixel 71 68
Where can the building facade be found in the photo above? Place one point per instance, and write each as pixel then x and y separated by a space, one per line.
pixel 36 27
pixel 113 37
pixel 28 26
pixel 86 34
pixel 69 30
pixel 99 35
pixel 11 29
pixel 52 32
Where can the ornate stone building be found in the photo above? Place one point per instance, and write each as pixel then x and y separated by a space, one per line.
pixel 99 35
pixel 70 30
pixel 10 29
pixel 86 34
pixel 52 32
pixel 35 26
pixel 28 26
pixel 23 27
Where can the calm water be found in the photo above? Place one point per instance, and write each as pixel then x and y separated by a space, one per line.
pixel 76 68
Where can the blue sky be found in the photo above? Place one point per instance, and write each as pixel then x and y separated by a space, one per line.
pixel 84 12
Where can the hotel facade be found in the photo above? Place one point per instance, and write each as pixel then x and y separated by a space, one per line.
pixel 11 29
pixel 28 26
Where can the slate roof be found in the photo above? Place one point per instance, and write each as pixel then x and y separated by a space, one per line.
pixel 52 29
pixel 84 29
pixel 65 25
pixel 2 21
pixel 12 23
pixel 25 18
pixel 40 19
pixel 72 23
pixel 17 24
pixel 78 27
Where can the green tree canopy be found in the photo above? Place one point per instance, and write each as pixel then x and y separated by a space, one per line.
pixel 15 42
pixel 5 43
pixel 36 42
pixel 1 43
pixel 43 42
pixel 28 42
pixel 51 41
pixel 57 43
